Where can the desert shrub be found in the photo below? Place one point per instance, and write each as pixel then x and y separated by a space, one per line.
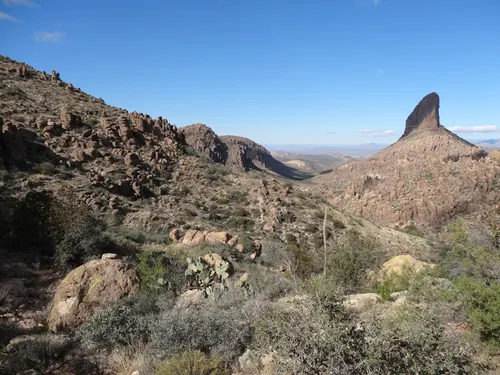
pixel 349 262
pixel 395 282
pixel 311 228
pixel 481 302
pixel 237 196
pixel 216 172
pixel 300 259
pixel 92 121
pixel 192 362
pixel 159 272
pixel 306 340
pixel 414 341
pixel 41 225
pixel 80 239
pixel 141 236
pixel 242 212
pixel 35 352
pixel 240 223
pixel 474 271
pixel 214 329
pixel 116 326
pixel 45 168
pixel 337 224
pixel 464 257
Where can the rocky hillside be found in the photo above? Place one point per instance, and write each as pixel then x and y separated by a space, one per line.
pixel 236 152
pixel 146 173
pixel 426 177
pixel 130 246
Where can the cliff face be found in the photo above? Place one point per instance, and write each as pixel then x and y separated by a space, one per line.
pixel 425 116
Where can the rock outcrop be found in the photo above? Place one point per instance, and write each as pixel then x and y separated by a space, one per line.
pixel 90 288
pixel 426 177
pixel 204 140
pixel 237 152
pixel 425 116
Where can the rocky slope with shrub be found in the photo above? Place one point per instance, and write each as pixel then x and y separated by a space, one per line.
pixel 130 246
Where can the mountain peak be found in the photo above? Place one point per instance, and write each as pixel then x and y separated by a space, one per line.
pixel 425 116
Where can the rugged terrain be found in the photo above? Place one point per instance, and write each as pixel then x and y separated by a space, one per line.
pixel 143 171
pixel 129 245
pixel 427 177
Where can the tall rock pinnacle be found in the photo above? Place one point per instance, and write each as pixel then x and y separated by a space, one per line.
pixel 425 116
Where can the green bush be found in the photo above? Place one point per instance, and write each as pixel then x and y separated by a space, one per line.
pixel 41 225
pixel 474 270
pixel 348 264
pixel 116 326
pixel 308 340
pixel 337 224
pixel 240 223
pixel 159 273
pixel 301 260
pixel 395 282
pixel 80 238
pixel 481 302
pixel 464 257
pixel 214 328
pixel 192 362
pixel 45 168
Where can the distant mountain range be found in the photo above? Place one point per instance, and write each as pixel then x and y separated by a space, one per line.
pixel 489 144
pixel 361 150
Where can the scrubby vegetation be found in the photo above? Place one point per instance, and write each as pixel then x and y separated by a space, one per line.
pixel 39 224
pixel 285 313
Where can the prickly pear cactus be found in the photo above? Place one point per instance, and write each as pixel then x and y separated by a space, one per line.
pixel 208 272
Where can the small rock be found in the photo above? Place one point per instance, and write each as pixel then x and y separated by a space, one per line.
pixel 361 301
pixel 217 237
pixel 131 159
pixel 233 241
pixel 174 235
pixel 190 298
pixel 109 256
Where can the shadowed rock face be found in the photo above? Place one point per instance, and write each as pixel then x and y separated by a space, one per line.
pixel 425 116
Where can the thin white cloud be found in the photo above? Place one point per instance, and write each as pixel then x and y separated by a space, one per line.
pixel 381 71
pixel 28 3
pixel 376 2
pixel 6 17
pixel 377 133
pixel 43 36
pixel 475 129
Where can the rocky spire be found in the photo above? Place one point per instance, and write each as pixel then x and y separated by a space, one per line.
pixel 425 116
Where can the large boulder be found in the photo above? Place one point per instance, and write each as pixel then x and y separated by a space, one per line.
pixel 217 238
pixel 400 264
pixel 90 288
pixel 193 237
pixel 69 120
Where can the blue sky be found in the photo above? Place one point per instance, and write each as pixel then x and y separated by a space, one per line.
pixel 276 71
